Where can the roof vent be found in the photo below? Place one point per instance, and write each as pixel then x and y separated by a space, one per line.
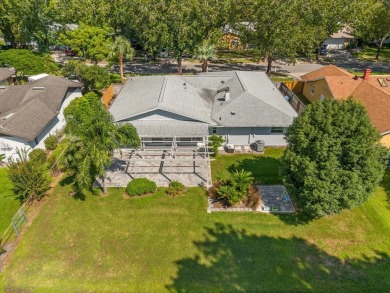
pixel 224 89
pixel 222 81
pixel 3 87
pixel 38 88
pixel 233 113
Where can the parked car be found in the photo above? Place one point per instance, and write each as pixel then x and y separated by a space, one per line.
pixel 324 50
pixel 69 52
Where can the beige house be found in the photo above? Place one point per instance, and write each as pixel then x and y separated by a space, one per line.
pixel 371 90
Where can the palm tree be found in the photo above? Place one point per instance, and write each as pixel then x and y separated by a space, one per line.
pixel 204 53
pixel 95 139
pixel 242 180
pixel 120 49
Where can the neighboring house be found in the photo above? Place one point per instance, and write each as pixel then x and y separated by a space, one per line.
pixel 241 106
pixel 31 112
pixel 6 75
pixel 372 91
pixel 339 40
pixel 231 37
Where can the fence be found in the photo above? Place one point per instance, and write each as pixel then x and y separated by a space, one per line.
pixel 111 93
pixel 292 98
pixel 295 86
pixel 20 218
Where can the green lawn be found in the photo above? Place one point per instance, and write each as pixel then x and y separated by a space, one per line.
pixel 264 168
pixel 159 243
pixel 9 204
pixel 369 53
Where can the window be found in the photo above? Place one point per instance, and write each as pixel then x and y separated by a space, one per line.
pixel 214 130
pixel 277 130
pixel 312 89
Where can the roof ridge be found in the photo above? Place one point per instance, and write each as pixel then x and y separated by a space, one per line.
pixel 241 81
pixel 162 92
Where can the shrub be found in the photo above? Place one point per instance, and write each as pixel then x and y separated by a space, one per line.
pixel 38 155
pixel 230 193
pixel 175 188
pixel 215 141
pixel 28 177
pixel 51 142
pixel 140 186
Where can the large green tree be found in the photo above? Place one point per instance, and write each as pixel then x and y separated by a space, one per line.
pixel 374 25
pixel 95 139
pixel 334 158
pixel 89 41
pixel 275 28
pixel 28 63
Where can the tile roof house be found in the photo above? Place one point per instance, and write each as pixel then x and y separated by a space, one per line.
pixel 373 91
pixel 241 106
pixel 31 112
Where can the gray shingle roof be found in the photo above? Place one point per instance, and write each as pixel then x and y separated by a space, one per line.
pixel 170 128
pixel 26 109
pixel 254 99
pixel 6 73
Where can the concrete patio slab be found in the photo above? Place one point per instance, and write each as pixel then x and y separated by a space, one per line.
pixel 275 199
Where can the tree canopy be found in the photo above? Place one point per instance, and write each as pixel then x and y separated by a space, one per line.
pixel 334 160
pixel 26 62
pixel 95 137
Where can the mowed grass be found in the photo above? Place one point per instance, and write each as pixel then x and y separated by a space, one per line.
pixel 9 204
pixel 369 54
pixel 159 243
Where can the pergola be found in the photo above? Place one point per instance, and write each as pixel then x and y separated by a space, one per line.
pixel 180 158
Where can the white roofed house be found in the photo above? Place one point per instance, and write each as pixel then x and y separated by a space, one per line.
pixel 241 106
pixel 31 112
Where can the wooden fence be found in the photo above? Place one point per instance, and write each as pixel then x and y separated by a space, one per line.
pixel 295 86
pixel 292 98
pixel 108 95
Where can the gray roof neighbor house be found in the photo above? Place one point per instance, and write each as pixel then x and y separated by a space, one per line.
pixel 6 73
pixel 226 99
pixel 26 109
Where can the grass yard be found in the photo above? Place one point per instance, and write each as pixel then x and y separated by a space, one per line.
pixel 9 204
pixel 159 243
pixel 265 168
pixel 369 53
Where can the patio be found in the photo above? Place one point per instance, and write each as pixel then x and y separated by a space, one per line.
pixel 188 166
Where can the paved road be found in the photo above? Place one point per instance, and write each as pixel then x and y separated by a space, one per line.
pixel 340 58
pixel 171 68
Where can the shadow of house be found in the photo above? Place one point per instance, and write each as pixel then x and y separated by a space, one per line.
pixel 231 260
pixel 386 186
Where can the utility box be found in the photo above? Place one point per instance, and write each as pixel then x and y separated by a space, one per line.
pixel 259 145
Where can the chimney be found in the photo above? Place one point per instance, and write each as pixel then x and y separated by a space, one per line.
pixel 227 96
pixel 366 75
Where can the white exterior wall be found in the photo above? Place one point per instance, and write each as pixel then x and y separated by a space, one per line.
pixel 336 44
pixel 8 145
pixel 248 135
pixel 54 126
pixel 160 115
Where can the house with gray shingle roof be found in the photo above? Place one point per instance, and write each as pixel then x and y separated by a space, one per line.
pixel 6 75
pixel 242 106
pixel 31 112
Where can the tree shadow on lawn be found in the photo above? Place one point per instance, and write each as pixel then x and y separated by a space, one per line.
pixel 386 186
pixel 77 195
pixel 234 260
pixel 265 170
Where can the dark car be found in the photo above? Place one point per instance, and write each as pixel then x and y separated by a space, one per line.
pixel 69 52
pixel 324 50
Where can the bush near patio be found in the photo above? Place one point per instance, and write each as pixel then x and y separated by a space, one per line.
pixel 175 188
pixel 51 142
pixel 140 186
pixel 38 155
